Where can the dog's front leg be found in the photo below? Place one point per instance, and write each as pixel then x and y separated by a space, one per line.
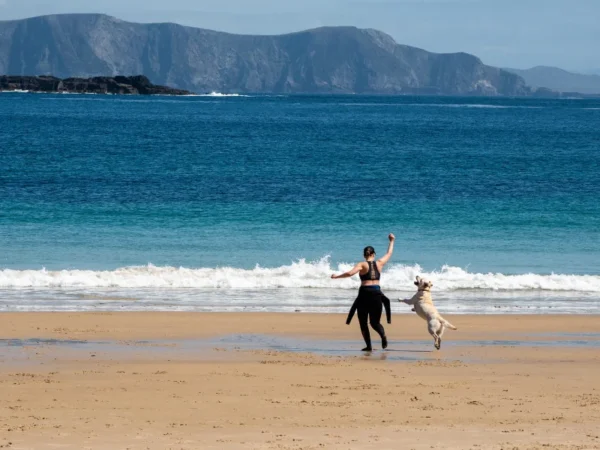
pixel 408 301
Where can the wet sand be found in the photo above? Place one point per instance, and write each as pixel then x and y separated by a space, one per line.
pixel 296 381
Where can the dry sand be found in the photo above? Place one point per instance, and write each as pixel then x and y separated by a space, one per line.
pixel 185 388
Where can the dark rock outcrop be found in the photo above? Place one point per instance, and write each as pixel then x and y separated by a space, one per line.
pixel 324 60
pixel 137 85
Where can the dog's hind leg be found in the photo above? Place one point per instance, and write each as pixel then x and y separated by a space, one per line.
pixel 440 334
pixel 433 326
pixel 441 330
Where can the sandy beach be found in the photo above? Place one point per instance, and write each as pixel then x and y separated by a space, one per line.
pixel 296 381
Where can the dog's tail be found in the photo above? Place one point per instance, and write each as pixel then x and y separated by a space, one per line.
pixel 448 324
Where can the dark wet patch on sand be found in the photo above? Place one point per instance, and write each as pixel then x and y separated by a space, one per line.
pixel 238 346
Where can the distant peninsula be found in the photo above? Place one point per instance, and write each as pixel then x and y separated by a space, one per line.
pixel 136 85
pixel 327 60
pixel 560 80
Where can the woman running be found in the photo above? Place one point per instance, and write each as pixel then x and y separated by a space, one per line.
pixel 370 299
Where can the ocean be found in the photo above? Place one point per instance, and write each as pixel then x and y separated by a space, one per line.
pixel 249 203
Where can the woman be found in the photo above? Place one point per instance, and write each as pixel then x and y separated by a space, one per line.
pixel 370 299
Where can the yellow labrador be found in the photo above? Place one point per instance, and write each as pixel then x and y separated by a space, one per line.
pixel 424 307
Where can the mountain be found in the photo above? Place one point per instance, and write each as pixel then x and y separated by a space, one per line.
pixel 559 79
pixel 323 60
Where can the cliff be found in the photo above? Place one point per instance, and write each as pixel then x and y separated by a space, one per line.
pixel 323 60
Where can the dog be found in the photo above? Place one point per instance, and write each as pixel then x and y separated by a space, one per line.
pixel 425 309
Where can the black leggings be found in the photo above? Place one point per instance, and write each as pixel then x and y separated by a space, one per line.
pixel 369 309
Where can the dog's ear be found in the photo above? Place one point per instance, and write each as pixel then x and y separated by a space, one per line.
pixel 430 284
pixel 418 278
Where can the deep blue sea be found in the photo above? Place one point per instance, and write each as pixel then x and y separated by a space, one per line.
pixel 250 203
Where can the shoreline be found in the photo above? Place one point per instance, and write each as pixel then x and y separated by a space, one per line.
pixel 182 325
pixel 125 85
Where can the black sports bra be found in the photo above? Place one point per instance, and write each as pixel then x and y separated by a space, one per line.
pixel 372 274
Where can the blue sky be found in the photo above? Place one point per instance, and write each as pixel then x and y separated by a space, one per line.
pixel 507 33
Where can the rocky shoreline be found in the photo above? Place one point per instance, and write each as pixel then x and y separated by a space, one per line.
pixel 135 85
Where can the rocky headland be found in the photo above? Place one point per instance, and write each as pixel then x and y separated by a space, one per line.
pixel 333 60
pixel 136 85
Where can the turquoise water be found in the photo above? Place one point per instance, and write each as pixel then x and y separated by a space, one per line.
pixel 249 203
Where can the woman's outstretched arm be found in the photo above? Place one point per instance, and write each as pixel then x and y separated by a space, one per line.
pixel 390 250
pixel 350 273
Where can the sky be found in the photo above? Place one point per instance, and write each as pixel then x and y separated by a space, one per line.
pixel 505 33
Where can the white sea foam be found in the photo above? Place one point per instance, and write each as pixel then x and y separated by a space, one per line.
pixel 298 275
pixel 219 94
pixel 444 105
pixel 476 105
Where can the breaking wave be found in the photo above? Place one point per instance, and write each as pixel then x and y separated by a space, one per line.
pixel 298 275
pixel 219 94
